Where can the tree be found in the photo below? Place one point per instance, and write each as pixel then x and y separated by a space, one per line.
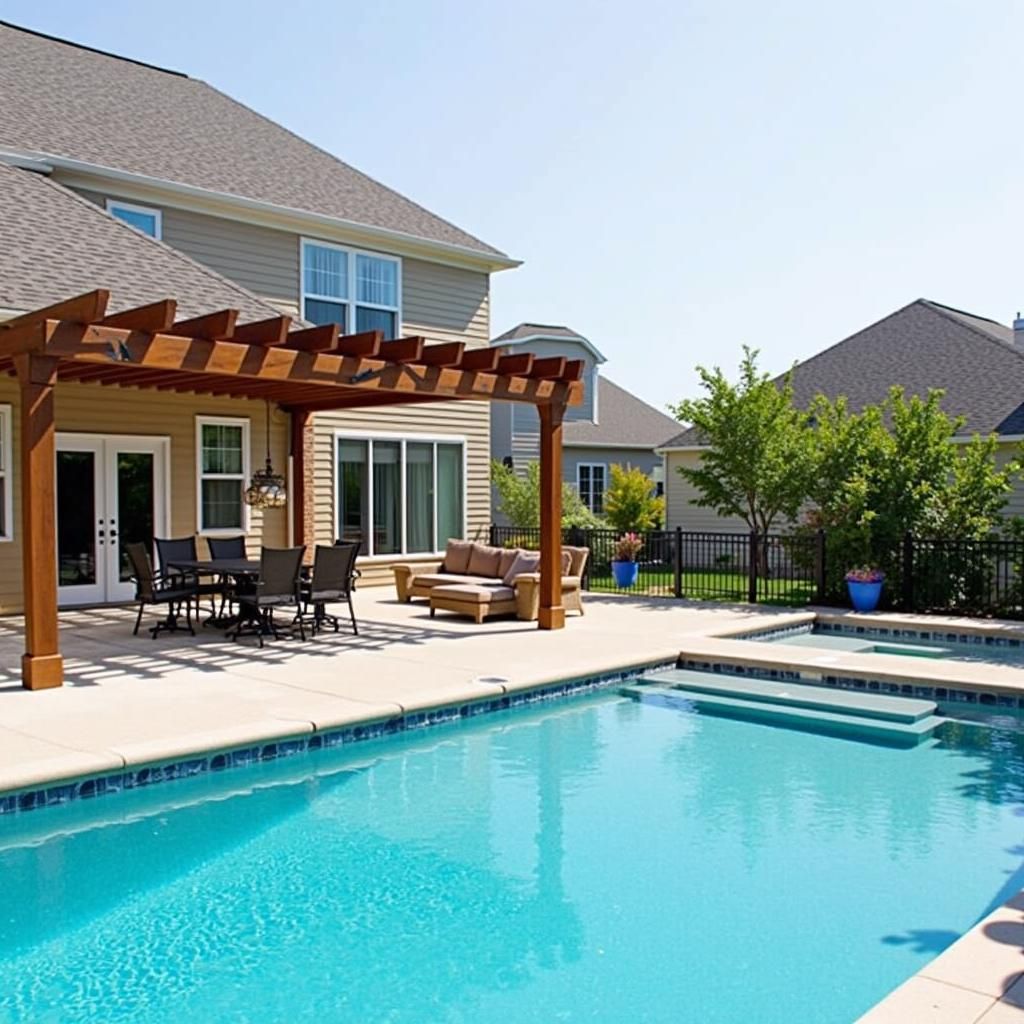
pixel 631 501
pixel 519 498
pixel 759 457
pixel 894 469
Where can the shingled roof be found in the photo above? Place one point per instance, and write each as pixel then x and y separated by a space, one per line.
pixel 921 346
pixel 624 421
pixel 58 99
pixel 54 244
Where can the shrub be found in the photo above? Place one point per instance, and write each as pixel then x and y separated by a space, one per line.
pixel 631 501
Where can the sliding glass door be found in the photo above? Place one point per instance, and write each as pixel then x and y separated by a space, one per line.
pixel 400 496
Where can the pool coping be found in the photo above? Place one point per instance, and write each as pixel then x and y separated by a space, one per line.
pixel 290 740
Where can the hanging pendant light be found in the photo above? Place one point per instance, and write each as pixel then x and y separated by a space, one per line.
pixel 267 489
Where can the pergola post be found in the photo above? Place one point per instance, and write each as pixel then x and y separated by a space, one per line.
pixel 551 613
pixel 301 498
pixel 42 666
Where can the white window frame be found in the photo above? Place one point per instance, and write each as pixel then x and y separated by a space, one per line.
pixel 223 421
pixel 372 435
pixel 351 302
pixel 149 211
pixel 603 466
pixel 7 471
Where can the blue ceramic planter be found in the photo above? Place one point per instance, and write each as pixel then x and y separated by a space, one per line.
pixel 625 573
pixel 864 596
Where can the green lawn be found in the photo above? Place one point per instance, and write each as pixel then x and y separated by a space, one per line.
pixel 711 585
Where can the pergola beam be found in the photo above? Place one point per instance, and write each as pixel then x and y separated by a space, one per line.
pixel 272 331
pixel 82 309
pixel 218 326
pixel 156 317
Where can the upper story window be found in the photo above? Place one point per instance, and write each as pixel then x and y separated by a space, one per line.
pixel 147 219
pixel 358 290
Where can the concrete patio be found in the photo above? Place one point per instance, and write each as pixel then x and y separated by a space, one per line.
pixel 133 700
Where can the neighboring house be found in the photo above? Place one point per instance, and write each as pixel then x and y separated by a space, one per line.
pixel 978 362
pixel 612 427
pixel 117 174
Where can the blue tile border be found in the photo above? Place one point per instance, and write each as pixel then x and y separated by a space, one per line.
pixel 223 760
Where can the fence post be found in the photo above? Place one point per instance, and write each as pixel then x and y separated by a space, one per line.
pixel 820 583
pixel 908 572
pixel 677 564
pixel 752 569
pixel 492 538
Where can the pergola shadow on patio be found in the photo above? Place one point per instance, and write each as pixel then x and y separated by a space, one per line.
pixel 303 371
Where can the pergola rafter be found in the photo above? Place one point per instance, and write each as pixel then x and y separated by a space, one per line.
pixel 305 370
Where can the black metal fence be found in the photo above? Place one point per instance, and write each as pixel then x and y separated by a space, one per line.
pixel 701 566
pixel 963 577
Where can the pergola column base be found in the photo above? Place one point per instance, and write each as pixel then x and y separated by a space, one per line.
pixel 551 618
pixel 42 671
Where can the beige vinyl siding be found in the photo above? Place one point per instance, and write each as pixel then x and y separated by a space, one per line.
pixel 441 304
pixel 263 260
pixel 678 492
pixel 94 409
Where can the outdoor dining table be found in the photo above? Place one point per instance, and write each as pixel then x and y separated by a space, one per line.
pixel 239 568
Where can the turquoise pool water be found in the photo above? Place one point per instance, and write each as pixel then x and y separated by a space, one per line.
pixel 594 860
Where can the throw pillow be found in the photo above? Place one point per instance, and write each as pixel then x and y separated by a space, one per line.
pixel 525 561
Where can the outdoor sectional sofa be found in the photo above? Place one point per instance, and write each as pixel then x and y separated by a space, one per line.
pixel 480 581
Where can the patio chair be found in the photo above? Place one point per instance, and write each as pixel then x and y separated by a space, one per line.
pixel 223 548
pixel 183 549
pixel 153 588
pixel 278 586
pixel 226 547
pixel 334 575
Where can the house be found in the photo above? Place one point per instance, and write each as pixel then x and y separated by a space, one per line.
pixel 978 362
pixel 120 175
pixel 611 427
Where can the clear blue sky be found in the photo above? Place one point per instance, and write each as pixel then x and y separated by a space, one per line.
pixel 679 178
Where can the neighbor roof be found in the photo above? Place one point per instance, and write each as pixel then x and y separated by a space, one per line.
pixel 523 334
pixel 623 421
pixel 921 346
pixel 59 99
pixel 54 243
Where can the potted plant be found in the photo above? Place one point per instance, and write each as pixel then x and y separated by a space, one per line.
pixel 625 567
pixel 865 587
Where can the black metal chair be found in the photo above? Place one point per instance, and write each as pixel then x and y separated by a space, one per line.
pixel 334 576
pixel 226 547
pixel 154 588
pixel 278 586
pixel 183 549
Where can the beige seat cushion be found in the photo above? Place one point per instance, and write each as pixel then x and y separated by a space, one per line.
pixel 440 579
pixel 484 561
pixel 469 593
pixel 525 561
pixel 456 557
pixel 508 556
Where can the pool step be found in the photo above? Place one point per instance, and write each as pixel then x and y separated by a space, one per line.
pixel 845 713
pixel 866 704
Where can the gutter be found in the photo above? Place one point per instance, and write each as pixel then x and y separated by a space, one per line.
pixel 443 252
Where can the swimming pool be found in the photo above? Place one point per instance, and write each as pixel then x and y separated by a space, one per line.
pixel 598 859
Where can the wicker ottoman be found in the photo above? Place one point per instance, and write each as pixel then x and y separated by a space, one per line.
pixel 478 601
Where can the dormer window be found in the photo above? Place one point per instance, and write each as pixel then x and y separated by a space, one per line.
pixel 358 290
pixel 144 218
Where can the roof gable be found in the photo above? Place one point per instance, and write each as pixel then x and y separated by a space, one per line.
pixel 54 243
pixel 58 99
pixel 924 345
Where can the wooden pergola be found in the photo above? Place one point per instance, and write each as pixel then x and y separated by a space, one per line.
pixel 304 371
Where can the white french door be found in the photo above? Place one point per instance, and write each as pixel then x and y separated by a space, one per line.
pixel 110 492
